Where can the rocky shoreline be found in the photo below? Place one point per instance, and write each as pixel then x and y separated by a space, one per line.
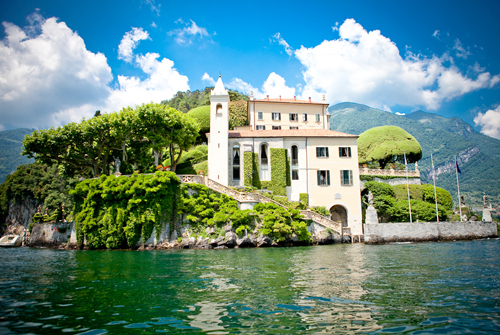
pixel 229 241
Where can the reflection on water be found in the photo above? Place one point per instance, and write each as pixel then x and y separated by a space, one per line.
pixel 413 288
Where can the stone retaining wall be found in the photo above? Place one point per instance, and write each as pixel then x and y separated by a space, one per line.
pixel 51 234
pixel 428 231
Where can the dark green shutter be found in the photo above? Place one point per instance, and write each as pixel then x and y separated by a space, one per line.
pixel 326 149
pixel 318 175
pixel 349 151
pixel 328 177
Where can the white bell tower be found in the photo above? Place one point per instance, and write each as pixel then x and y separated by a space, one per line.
pixel 218 161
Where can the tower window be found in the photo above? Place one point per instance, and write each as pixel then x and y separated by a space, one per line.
pixel 218 109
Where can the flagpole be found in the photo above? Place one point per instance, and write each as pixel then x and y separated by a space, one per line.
pixel 408 187
pixel 458 187
pixel 435 194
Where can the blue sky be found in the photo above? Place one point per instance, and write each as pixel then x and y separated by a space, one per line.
pixel 62 60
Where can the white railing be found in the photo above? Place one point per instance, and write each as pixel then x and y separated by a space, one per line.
pixel 257 197
pixel 390 172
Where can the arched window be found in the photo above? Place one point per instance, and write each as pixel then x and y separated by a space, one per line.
pixel 236 162
pixel 218 109
pixel 264 162
pixel 295 162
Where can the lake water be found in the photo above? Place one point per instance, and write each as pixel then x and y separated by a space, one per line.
pixel 440 288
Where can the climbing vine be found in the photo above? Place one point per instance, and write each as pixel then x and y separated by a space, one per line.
pixel 115 212
pixel 251 169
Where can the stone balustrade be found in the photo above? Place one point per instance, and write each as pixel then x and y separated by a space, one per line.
pixel 390 172
pixel 190 178
pixel 257 197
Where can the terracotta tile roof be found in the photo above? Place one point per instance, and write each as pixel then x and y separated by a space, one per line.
pixel 289 133
pixel 290 101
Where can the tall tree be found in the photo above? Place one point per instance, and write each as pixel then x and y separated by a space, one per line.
pixel 90 147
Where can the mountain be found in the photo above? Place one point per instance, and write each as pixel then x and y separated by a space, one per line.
pixel 478 154
pixel 10 151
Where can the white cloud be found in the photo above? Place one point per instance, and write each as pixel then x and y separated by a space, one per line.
pixel 460 50
pixel 208 79
pixel 243 87
pixel 398 113
pixel 274 86
pixel 489 122
pixel 366 67
pixel 277 37
pixel 436 34
pixel 129 42
pixel 46 73
pixel 163 82
pixel 188 33
pixel 49 78
pixel 153 6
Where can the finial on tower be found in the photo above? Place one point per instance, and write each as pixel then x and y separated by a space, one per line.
pixel 324 98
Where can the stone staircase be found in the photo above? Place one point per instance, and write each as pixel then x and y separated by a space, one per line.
pixel 242 197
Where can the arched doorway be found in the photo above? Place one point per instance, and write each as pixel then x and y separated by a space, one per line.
pixel 339 213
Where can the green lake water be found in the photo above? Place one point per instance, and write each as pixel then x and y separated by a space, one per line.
pixel 442 288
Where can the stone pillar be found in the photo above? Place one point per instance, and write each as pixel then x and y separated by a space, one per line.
pixel 486 210
pixel 371 215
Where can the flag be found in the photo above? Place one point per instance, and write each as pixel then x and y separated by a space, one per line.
pixel 458 169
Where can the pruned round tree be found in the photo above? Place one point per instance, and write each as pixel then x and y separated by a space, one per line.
pixel 386 145
pixel 202 116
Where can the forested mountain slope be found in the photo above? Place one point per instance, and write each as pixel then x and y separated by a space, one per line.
pixel 445 138
pixel 10 151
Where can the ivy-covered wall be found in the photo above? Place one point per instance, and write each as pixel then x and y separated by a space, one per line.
pixel 251 164
pixel 280 171
pixel 116 212
pixel 304 197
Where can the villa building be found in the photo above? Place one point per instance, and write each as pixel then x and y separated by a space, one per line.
pixel 287 149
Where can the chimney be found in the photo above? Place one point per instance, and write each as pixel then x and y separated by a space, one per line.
pixel 251 95
pixel 323 98
pixel 294 97
pixel 309 99
pixel 268 97
pixel 280 97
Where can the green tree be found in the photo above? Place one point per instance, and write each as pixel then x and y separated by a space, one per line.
pixel 387 144
pixel 238 114
pixel 37 181
pixel 82 148
pixel 202 116
pixel 91 147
